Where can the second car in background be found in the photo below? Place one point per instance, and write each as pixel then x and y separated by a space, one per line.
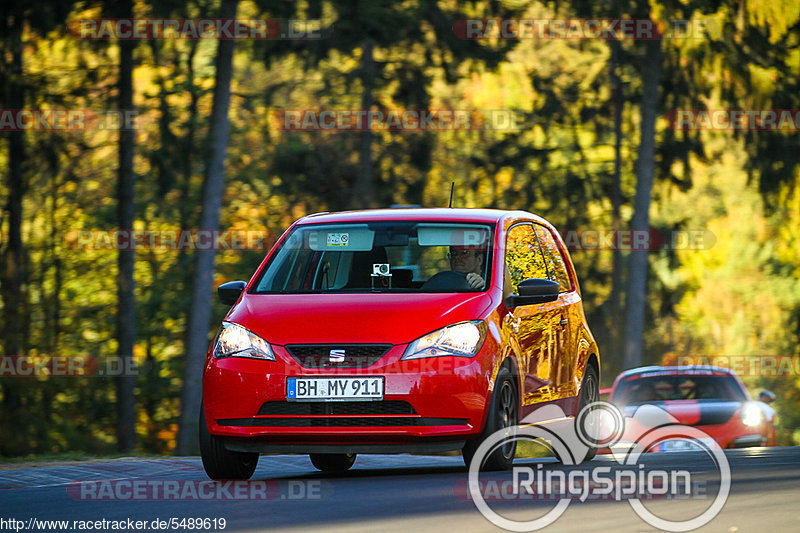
pixel 711 399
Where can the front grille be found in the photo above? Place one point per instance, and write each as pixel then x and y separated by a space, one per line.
pixel 319 355
pixel 374 421
pixel 385 407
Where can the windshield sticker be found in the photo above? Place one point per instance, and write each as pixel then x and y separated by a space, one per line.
pixel 338 239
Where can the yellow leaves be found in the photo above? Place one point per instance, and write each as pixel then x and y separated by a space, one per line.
pixel 763 80
pixel 503 179
pixel 92 335
pixel 737 299
pixel 776 16
pixel 168 434
pixel 508 88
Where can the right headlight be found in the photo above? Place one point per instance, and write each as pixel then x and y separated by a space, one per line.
pixel 235 341
pixel 751 415
pixel 462 340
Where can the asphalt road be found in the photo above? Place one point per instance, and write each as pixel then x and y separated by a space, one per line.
pixel 385 493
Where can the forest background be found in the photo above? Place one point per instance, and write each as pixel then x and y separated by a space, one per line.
pixel 595 148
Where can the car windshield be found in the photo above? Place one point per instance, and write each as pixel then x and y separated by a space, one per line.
pixel 636 390
pixel 401 256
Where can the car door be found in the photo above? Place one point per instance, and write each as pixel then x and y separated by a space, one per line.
pixel 566 316
pixel 530 328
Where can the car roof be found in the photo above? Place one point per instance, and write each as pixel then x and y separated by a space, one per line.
pixel 489 216
pixel 684 370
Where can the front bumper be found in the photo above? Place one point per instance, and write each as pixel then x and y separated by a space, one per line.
pixel 431 404
pixel 730 434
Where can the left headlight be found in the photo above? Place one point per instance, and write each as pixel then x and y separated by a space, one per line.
pixel 462 340
pixel 235 341
pixel 752 415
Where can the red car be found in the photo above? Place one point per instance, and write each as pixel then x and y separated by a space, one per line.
pixel 709 398
pixel 391 331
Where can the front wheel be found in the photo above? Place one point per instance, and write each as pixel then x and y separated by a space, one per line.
pixel 218 461
pixel 333 462
pixel 503 414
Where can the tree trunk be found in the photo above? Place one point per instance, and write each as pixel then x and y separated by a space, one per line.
pixel 126 214
pixel 13 272
pixel 188 151
pixel 202 284
pixel 637 267
pixel 363 194
pixel 616 202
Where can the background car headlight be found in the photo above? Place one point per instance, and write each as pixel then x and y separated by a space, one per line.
pixel 235 341
pixel 462 340
pixel 752 415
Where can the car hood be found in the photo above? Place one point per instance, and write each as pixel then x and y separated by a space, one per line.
pixel 695 412
pixel 354 318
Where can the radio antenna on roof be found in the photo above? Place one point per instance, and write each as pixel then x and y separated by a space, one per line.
pixel 452 186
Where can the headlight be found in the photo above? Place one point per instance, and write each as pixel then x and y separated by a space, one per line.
pixel 752 415
pixel 462 340
pixel 235 341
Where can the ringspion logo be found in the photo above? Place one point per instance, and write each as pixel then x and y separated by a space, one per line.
pixel 597 425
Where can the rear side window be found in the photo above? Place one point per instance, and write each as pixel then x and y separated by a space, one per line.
pixel 523 256
pixel 555 262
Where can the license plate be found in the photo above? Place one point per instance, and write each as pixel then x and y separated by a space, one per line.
pixel 370 388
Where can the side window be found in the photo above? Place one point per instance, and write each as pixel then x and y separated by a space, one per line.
pixel 555 262
pixel 523 258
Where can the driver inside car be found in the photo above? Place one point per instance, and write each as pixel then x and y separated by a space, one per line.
pixel 468 260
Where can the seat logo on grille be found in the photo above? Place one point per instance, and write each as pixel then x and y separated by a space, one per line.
pixel 336 356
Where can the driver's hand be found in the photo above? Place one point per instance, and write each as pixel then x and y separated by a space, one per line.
pixel 474 280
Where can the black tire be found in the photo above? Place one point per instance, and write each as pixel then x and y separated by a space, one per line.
pixel 503 414
pixel 221 463
pixel 590 393
pixel 333 462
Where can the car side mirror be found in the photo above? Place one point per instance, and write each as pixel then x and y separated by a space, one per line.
pixel 229 292
pixel 766 396
pixel 535 291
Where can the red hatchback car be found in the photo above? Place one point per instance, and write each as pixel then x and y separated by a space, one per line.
pixel 392 331
pixel 709 398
